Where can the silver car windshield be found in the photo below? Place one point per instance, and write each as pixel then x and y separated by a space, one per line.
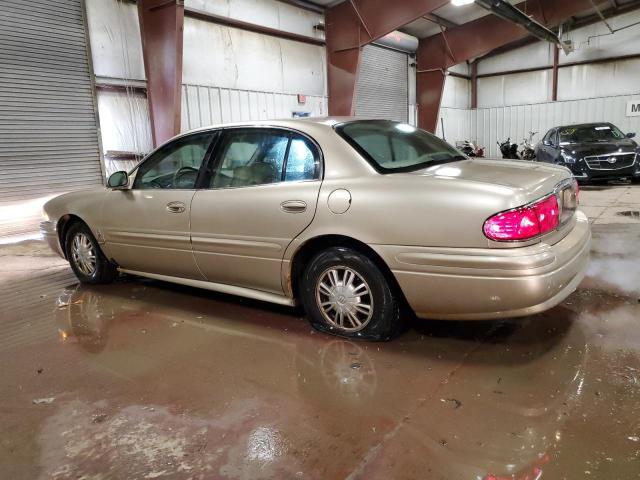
pixel 397 147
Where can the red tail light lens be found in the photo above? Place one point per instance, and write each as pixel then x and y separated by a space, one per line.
pixel 524 223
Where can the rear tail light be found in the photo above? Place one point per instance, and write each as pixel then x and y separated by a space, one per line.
pixel 524 223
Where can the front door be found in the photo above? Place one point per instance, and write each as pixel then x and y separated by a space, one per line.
pixel 262 194
pixel 146 228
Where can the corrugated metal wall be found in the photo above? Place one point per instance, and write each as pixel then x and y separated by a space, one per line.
pixel 204 105
pixel 48 131
pixel 489 125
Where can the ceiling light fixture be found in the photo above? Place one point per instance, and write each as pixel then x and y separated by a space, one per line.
pixel 460 3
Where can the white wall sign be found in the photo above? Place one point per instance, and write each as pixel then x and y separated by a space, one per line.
pixel 633 109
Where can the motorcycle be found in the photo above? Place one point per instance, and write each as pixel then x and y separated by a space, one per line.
pixel 528 151
pixel 471 150
pixel 509 150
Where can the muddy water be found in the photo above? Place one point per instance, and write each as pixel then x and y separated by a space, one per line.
pixel 146 380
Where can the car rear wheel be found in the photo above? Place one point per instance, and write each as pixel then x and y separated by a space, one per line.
pixel 86 258
pixel 345 294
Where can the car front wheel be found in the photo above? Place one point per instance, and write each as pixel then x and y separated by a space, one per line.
pixel 345 293
pixel 86 258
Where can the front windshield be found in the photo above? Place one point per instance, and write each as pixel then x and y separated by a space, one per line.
pixel 397 147
pixel 590 134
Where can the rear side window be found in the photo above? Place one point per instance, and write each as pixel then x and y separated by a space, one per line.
pixel 397 147
pixel 252 157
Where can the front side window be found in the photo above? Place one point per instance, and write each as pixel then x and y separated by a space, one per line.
pixel 176 165
pixel 397 147
pixel 262 157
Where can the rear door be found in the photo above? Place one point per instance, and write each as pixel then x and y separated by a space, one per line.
pixel 261 194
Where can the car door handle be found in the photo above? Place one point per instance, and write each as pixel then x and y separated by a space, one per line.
pixel 294 206
pixel 176 207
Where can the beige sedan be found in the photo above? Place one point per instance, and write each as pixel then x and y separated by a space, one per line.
pixel 355 219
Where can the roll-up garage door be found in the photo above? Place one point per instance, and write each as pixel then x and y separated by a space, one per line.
pixel 383 84
pixel 48 132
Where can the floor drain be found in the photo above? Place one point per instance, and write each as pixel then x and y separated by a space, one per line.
pixel 630 213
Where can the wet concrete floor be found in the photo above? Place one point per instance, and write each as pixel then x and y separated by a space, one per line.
pixel 142 379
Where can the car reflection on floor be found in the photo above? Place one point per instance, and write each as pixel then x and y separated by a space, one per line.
pixel 500 417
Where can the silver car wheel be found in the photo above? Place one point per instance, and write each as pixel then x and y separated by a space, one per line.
pixel 345 299
pixel 83 254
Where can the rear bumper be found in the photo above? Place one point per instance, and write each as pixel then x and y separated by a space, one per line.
pixel 486 284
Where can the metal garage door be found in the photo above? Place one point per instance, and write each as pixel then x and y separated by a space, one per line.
pixel 48 133
pixel 383 84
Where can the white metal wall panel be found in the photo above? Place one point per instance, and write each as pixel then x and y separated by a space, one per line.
pixel 204 105
pixel 48 133
pixel 539 54
pixel 114 33
pixel 595 42
pixel 457 125
pixel 599 80
pixel 225 57
pixel 514 89
pixel 489 125
pixel 457 93
pixel 383 85
pixel 268 13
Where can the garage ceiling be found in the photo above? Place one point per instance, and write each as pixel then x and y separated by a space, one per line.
pixel 451 15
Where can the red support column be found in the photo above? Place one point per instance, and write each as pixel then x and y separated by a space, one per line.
pixel 475 39
pixel 474 85
pixel 161 27
pixel 353 24
pixel 556 61
pixel 430 86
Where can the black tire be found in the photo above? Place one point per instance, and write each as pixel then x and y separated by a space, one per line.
pixel 385 321
pixel 104 271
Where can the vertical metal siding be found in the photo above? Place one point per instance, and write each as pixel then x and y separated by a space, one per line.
pixel 204 105
pixel 383 85
pixel 490 125
pixel 48 132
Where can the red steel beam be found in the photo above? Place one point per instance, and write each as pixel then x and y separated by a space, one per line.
pixel 556 62
pixel 353 24
pixel 474 85
pixel 475 39
pixel 161 27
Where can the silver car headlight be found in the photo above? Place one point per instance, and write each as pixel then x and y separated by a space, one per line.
pixel 567 157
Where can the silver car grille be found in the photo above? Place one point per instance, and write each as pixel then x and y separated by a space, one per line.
pixel 611 161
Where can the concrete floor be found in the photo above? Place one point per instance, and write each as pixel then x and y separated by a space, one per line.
pixel 142 379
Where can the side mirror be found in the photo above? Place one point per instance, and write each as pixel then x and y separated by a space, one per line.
pixel 118 181
pixel 631 135
pixel 546 143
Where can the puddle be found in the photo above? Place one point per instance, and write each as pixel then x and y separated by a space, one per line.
pixel 630 213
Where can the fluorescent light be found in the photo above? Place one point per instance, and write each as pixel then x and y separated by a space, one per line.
pixel 460 3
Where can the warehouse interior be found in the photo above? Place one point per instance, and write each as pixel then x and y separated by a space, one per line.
pixel 144 379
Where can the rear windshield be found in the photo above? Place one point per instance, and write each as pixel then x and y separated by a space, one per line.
pixel 590 133
pixel 397 147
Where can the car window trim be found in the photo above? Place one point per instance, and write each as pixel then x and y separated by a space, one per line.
pixel 215 158
pixel 374 163
pixel 133 173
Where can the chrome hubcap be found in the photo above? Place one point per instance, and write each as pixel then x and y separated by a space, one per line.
pixel 83 254
pixel 344 299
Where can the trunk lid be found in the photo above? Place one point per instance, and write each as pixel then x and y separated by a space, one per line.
pixel 526 181
pixel 534 180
